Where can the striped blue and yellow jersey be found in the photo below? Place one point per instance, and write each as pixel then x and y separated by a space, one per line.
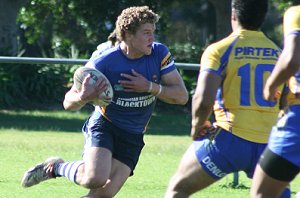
pixel 243 60
pixel 291 25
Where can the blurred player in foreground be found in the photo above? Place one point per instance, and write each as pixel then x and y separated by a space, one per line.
pixel 230 83
pixel 140 71
pixel 280 162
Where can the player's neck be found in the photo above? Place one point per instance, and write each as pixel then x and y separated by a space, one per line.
pixel 129 51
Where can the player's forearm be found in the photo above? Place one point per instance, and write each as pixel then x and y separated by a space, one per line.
pixel 204 98
pixel 201 111
pixel 72 101
pixel 172 94
pixel 200 117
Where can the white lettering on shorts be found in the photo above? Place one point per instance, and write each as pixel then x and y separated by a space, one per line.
pixel 212 167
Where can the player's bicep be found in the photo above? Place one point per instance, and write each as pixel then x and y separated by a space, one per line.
pixel 207 86
pixel 172 79
pixel 292 49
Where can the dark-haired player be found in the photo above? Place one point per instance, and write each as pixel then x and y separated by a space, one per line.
pixel 230 83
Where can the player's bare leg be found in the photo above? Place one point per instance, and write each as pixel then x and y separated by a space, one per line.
pixel 119 174
pixel 271 187
pixel 95 171
pixel 189 177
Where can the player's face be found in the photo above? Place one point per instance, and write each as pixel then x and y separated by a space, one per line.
pixel 141 41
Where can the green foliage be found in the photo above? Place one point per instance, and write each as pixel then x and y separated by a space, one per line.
pixel 11 85
pixel 46 83
pixel 187 53
pixel 190 79
pixel 73 29
pixel 284 4
pixel 54 27
pixel 25 85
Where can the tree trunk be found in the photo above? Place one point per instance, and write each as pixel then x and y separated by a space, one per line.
pixel 9 10
pixel 223 17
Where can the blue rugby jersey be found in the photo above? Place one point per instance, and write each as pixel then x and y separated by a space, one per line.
pixel 132 111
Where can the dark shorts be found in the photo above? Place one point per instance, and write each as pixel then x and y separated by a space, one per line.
pixel 278 167
pixel 227 153
pixel 126 147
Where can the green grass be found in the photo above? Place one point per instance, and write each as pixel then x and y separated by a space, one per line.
pixel 28 137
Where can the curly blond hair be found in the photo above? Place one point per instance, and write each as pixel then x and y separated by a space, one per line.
pixel 131 18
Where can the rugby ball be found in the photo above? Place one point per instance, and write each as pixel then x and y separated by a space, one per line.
pixel 80 74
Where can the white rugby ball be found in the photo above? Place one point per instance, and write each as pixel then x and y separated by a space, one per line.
pixel 80 75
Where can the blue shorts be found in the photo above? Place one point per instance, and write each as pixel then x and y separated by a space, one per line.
pixel 285 136
pixel 227 153
pixel 126 147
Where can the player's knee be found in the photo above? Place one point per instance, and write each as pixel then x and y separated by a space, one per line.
pixel 92 182
pixel 106 194
pixel 172 183
pixel 100 192
pixel 254 193
pixel 175 189
pixel 175 194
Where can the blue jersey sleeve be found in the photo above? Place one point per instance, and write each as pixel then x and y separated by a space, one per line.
pixel 167 63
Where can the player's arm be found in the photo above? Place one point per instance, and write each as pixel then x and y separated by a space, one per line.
pixel 203 101
pixel 172 89
pixel 75 99
pixel 287 64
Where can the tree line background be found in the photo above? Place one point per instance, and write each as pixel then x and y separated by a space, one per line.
pixel 74 28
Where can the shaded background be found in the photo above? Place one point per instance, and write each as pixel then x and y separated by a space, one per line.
pixel 74 28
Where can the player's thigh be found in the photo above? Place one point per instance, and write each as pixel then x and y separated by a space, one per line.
pixel 118 176
pixel 266 186
pixel 190 176
pixel 98 162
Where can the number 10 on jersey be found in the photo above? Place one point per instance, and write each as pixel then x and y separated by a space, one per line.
pixel 245 91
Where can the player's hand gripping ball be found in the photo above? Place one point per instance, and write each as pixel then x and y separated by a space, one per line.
pixel 106 96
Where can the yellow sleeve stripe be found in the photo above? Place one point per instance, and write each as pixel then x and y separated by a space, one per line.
pixel 165 60
pixel 166 66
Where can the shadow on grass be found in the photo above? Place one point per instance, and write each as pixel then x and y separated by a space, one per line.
pixel 170 120
pixel 35 123
pixel 166 120
pixel 235 186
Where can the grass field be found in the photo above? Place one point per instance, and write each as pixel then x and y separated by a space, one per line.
pixel 28 137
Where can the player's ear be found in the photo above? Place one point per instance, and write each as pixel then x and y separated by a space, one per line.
pixel 234 21
pixel 128 35
pixel 233 15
